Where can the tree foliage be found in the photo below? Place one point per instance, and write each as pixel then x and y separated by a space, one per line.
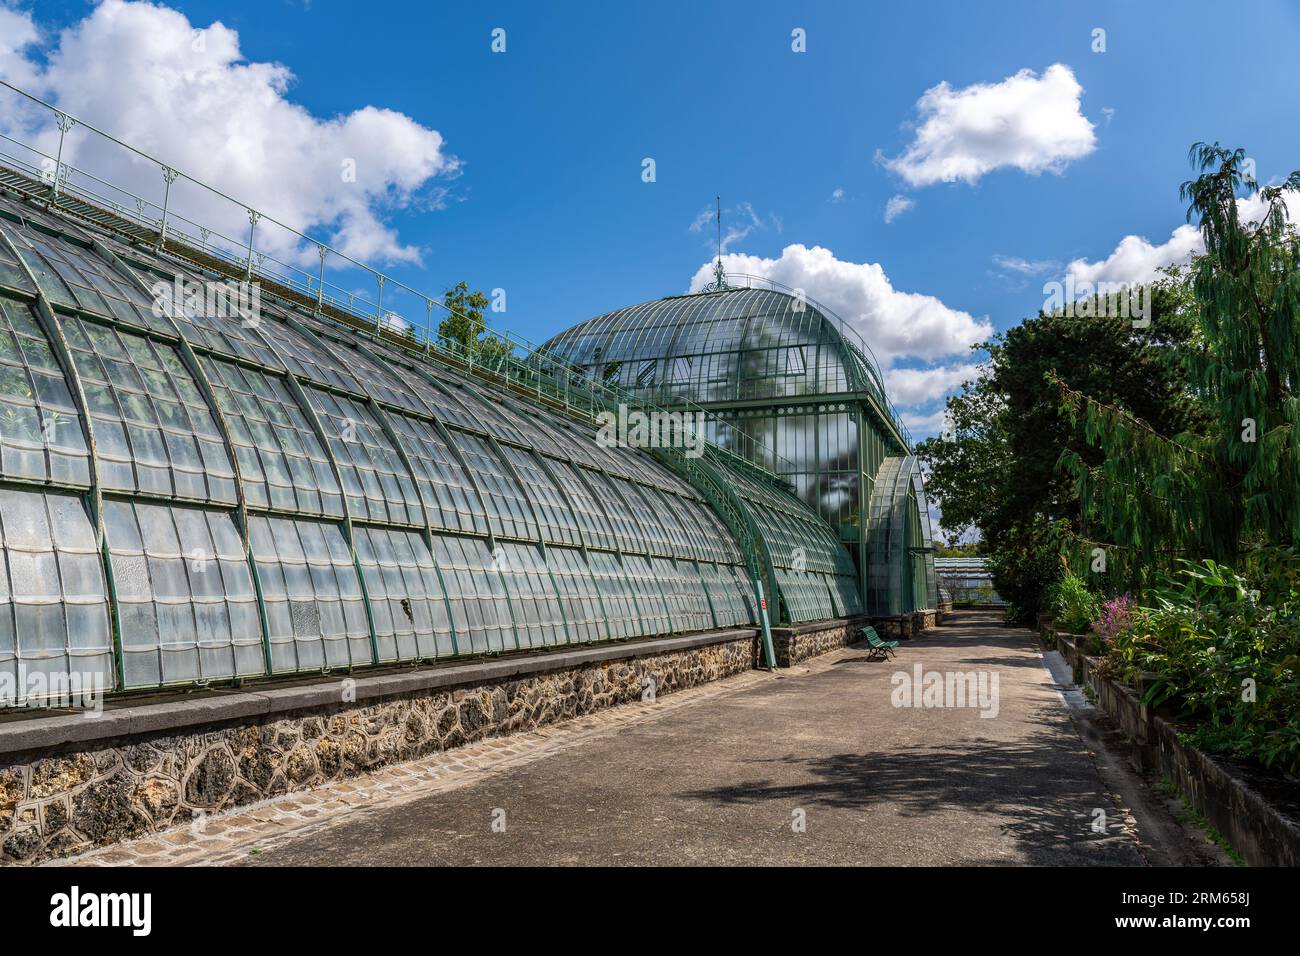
pixel 464 330
pixel 1216 490
pixel 996 468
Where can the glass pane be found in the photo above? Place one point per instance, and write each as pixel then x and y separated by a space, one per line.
pixel 41 432
pixel 54 632
pixel 188 611
pixel 147 406
pixel 312 594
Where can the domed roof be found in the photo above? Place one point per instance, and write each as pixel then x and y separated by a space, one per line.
pixel 727 345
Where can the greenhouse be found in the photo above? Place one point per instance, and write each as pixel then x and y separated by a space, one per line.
pixel 792 387
pixel 189 496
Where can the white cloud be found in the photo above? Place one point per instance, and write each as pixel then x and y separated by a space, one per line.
pixel 896 206
pixel 925 425
pixel 1027 267
pixel 1031 122
pixel 837 195
pixel 737 223
pixel 18 33
pixel 894 324
pixel 919 386
pixel 187 95
pixel 1136 260
pixel 703 219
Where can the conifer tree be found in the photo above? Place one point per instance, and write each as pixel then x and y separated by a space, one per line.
pixel 1218 490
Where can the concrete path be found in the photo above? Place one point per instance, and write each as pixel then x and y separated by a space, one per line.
pixel 815 766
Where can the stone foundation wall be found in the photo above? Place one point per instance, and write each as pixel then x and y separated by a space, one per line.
pixel 54 804
pixel 901 627
pixel 795 644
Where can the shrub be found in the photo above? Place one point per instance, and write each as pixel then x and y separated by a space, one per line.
pixel 1073 605
pixel 1116 615
pixel 1206 646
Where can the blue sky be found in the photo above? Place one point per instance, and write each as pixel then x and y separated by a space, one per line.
pixel 545 199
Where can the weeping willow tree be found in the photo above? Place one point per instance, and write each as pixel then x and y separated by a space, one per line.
pixel 1235 484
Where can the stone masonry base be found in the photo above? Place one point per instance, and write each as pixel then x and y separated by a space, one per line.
pixel 63 799
pixel 798 643
pixel 802 641
pixel 906 625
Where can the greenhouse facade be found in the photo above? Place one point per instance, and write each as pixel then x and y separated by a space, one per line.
pixel 793 388
pixel 190 497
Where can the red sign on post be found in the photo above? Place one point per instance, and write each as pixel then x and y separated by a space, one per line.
pixel 764 604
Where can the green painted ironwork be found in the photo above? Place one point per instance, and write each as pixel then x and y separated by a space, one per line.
pixel 662 527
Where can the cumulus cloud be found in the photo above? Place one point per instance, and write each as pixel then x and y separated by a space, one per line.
pixel 187 95
pixel 923 426
pixel 919 386
pixel 896 206
pixel 895 324
pixel 837 194
pixel 1136 260
pixel 1030 122
pixel 18 33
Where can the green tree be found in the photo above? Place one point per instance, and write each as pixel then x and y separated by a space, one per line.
pixel 996 469
pixel 464 330
pixel 1213 491
pixel 968 549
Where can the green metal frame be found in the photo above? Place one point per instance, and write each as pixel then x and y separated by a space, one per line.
pixel 529 375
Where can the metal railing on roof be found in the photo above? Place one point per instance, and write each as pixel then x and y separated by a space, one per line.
pixel 523 365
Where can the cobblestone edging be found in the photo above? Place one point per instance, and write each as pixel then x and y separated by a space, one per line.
pixel 1256 813
pixel 100 792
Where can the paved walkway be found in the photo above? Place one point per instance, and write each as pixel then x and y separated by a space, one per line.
pixel 812 765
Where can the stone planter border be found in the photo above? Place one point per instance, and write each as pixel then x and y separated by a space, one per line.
pixel 1257 812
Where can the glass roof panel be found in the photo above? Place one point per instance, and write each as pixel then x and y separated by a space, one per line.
pixel 53 594
pixel 305 356
pixel 154 432
pixel 376 482
pixel 281 462
pixel 77 278
pixel 42 435
pixel 731 345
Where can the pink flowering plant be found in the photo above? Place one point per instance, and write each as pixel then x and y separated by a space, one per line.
pixel 1116 617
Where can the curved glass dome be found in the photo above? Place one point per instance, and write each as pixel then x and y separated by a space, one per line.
pixel 731 345
pixel 790 387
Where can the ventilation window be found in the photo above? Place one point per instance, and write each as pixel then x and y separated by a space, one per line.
pixel 645 374
pixel 795 361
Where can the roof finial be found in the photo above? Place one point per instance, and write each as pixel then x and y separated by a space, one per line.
pixel 719 276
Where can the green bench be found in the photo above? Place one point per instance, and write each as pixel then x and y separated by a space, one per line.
pixel 877 648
